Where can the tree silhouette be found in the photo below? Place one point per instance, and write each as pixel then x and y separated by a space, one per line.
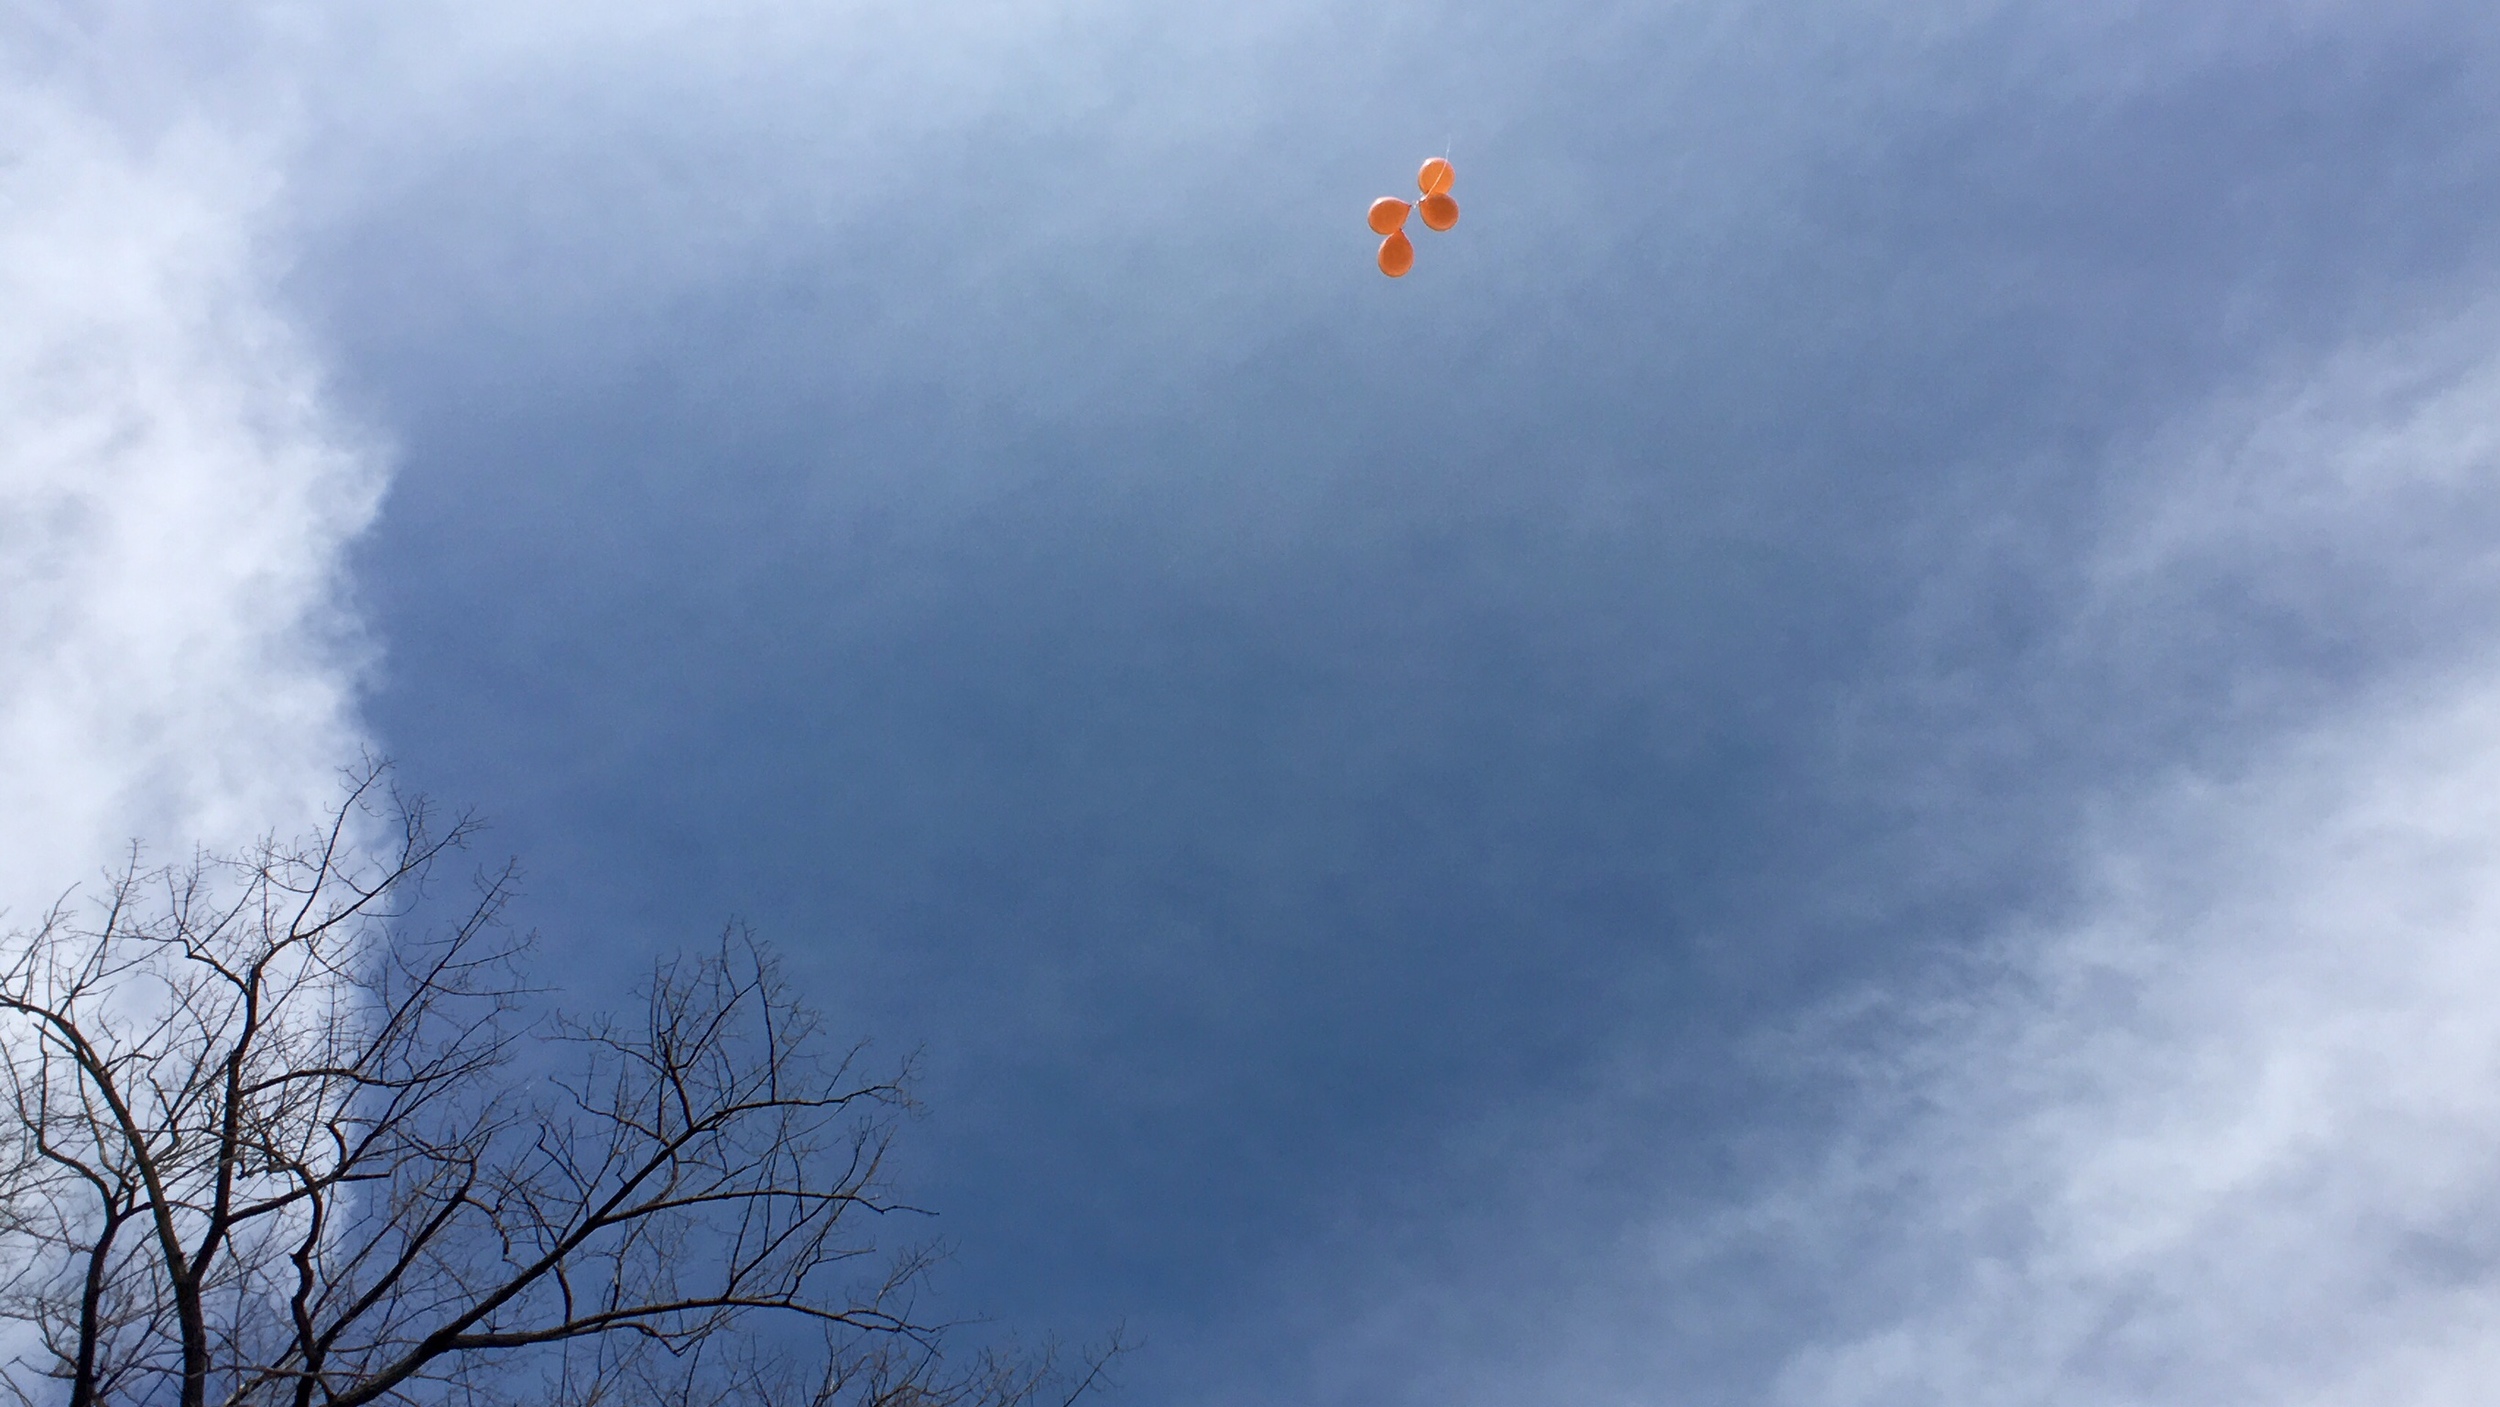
pixel 280 1140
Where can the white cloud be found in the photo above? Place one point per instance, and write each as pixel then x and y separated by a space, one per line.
pixel 2221 1126
pixel 2228 1131
pixel 2226 1138
pixel 177 663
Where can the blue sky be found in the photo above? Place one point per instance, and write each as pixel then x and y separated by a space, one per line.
pixel 1839 758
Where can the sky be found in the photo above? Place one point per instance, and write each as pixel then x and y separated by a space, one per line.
pixel 1849 754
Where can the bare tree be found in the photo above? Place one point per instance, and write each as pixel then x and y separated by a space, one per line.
pixel 279 1141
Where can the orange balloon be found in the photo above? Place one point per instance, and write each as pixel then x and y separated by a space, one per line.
pixel 1440 211
pixel 1435 178
pixel 1397 255
pixel 1388 215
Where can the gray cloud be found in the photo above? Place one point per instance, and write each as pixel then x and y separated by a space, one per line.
pixel 1952 504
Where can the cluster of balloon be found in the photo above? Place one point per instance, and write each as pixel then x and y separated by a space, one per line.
pixel 1388 217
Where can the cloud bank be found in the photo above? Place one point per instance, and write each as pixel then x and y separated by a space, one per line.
pixel 178 658
pixel 2220 1123
pixel 2229 1136
pixel 2229 1131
